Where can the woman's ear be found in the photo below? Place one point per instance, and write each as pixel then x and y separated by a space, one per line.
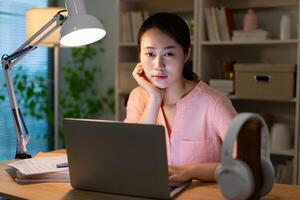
pixel 188 55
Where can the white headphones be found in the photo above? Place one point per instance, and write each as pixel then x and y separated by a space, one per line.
pixel 235 176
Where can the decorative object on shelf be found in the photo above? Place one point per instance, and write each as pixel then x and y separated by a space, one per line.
pixel 77 23
pixel 280 137
pixel 223 85
pixel 227 69
pixel 250 21
pixel 254 35
pixel 264 81
pixel 285 27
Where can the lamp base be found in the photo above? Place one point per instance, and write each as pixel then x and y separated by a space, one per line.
pixel 22 156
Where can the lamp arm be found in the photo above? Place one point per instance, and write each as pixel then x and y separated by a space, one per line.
pixel 8 61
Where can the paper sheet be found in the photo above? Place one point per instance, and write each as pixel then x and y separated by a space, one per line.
pixel 39 165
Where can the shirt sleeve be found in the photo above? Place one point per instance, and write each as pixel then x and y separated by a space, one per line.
pixel 134 108
pixel 223 114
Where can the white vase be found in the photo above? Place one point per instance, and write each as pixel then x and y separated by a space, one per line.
pixel 280 137
pixel 285 27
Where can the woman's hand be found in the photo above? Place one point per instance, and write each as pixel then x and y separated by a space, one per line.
pixel 198 171
pixel 180 173
pixel 140 77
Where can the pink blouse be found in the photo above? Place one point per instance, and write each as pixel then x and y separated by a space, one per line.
pixel 200 124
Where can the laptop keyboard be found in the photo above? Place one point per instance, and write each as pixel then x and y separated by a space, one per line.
pixel 172 187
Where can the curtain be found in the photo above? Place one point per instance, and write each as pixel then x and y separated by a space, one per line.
pixel 36 63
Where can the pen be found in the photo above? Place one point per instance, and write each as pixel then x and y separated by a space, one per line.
pixel 61 165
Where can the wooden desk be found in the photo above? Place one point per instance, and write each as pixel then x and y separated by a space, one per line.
pixel 64 191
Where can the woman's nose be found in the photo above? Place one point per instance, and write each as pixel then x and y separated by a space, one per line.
pixel 159 64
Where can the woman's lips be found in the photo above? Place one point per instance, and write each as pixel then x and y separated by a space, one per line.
pixel 160 77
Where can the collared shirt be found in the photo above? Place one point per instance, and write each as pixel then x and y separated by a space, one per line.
pixel 200 124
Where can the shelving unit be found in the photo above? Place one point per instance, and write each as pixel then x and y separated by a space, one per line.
pixel 207 56
pixel 210 55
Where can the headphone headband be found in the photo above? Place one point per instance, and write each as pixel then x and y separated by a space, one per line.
pixel 233 131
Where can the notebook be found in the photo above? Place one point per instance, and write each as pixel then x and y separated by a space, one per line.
pixel 120 158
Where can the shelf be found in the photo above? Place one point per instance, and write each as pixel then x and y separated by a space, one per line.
pixel 289 152
pixel 268 42
pixel 233 97
pixel 237 4
pixel 165 5
pixel 134 44
pixel 127 44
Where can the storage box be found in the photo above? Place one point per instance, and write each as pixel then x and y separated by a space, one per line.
pixel 264 81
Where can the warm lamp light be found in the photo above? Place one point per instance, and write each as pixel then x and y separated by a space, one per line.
pixel 35 20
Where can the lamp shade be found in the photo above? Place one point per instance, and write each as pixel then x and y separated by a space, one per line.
pixel 80 28
pixel 36 18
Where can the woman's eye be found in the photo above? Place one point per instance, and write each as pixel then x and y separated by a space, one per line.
pixel 169 54
pixel 149 54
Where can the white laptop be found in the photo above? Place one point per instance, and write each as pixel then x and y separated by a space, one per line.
pixel 120 158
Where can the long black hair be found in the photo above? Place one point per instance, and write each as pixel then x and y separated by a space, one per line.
pixel 176 28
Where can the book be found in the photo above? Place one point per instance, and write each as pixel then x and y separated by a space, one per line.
pixel 224 24
pixel 39 165
pixel 239 35
pixel 223 85
pixel 61 176
pixel 136 22
pixel 229 19
pixel 215 23
pixel 126 28
pixel 209 25
pixel 41 169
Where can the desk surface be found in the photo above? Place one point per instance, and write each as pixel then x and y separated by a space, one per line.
pixel 64 191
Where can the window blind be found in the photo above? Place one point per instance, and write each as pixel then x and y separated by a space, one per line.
pixel 36 63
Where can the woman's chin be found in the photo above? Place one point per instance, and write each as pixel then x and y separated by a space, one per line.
pixel 160 85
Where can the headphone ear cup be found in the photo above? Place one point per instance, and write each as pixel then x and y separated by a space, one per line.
pixel 268 176
pixel 236 181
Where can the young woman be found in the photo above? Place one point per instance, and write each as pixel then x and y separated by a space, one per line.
pixel 194 115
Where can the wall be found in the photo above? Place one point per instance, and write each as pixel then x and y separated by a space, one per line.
pixel 105 10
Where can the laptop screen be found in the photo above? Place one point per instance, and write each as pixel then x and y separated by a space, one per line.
pixel 117 157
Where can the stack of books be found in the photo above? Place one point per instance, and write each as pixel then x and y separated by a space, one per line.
pixel 255 35
pixel 223 85
pixel 45 169
pixel 131 21
pixel 284 172
pixel 219 23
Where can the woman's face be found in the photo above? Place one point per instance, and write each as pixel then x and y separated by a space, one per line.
pixel 162 58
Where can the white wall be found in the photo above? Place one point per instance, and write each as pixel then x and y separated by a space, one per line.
pixel 105 10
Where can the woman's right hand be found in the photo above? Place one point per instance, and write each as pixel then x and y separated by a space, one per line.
pixel 140 77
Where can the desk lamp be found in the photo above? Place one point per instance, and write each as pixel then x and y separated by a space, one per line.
pixel 77 29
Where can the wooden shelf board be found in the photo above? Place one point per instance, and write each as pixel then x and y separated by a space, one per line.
pixel 289 152
pixel 238 4
pixel 269 42
pixel 233 97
